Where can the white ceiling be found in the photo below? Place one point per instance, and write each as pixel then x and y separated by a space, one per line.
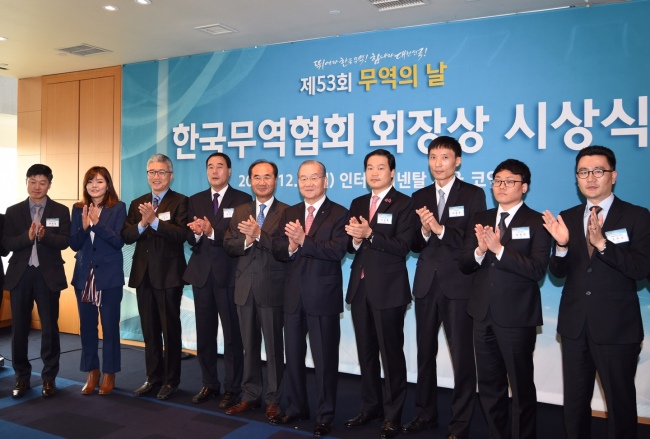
pixel 36 29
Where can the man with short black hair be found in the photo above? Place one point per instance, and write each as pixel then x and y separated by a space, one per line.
pixel 441 290
pixel 602 248
pixel 507 249
pixel 36 231
pixel 211 272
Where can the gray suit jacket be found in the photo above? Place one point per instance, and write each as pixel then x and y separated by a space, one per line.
pixel 257 270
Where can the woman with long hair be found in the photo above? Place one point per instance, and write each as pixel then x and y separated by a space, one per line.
pixel 98 275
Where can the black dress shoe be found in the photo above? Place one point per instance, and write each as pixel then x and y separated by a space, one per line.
pixel 283 419
pixel 49 389
pixel 361 419
pixel 146 388
pixel 204 395
pixel 417 425
pixel 21 388
pixel 229 399
pixel 322 429
pixel 166 392
pixel 388 430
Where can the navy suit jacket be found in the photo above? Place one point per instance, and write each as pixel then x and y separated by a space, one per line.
pixel 209 253
pixel 602 289
pixel 439 257
pixel 158 252
pixel 383 260
pixel 18 220
pixel 104 253
pixel 3 251
pixel 257 272
pixel 508 288
pixel 314 272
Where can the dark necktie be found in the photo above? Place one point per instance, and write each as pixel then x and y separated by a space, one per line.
pixel 215 202
pixel 156 200
pixel 590 248
pixel 260 217
pixel 502 225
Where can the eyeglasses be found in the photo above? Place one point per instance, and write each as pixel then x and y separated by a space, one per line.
pixel 265 178
pixel 153 173
pixel 598 173
pixel 508 183
pixel 312 178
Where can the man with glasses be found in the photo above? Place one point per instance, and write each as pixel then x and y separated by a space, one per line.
pixel 507 249
pixel 156 223
pixel 312 240
pixel 258 289
pixel 602 247
pixel 211 272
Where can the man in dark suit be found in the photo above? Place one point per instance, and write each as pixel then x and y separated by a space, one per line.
pixel 211 272
pixel 3 252
pixel 258 289
pixel 507 249
pixel 381 229
pixel 313 294
pixel 441 290
pixel 602 248
pixel 36 230
pixel 156 222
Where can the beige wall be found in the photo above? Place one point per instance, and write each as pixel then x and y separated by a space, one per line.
pixel 69 122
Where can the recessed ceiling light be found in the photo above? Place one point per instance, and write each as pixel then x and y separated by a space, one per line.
pixel 3 39
pixel 111 8
pixel 143 2
pixel 335 12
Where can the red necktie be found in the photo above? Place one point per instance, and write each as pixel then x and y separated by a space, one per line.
pixel 373 207
pixel 310 219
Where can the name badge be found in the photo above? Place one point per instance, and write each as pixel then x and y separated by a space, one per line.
pixel 520 233
pixel 456 211
pixel 617 236
pixel 385 218
pixel 54 222
pixel 227 212
pixel 164 216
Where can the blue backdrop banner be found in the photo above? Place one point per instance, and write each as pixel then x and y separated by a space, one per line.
pixel 537 87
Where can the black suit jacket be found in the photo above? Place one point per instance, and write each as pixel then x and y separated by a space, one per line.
pixel 383 260
pixel 314 272
pixel 257 272
pixel 508 287
pixel 158 252
pixel 439 257
pixel 208 253
pixel 18 220
pixel 3 252
pixel 602 289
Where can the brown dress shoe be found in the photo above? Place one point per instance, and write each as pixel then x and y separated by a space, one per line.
pixel 49 389
pixel 229 399
pixel 243 406
pixel 91 382
pixel 108 384
pixel 272 410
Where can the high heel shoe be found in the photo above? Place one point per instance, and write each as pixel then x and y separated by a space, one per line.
pixel 91 383
pixel 108 384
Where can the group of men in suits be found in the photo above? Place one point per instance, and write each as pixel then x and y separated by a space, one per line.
pixel 273 271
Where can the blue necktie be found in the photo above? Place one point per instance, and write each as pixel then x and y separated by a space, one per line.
pixel 260 217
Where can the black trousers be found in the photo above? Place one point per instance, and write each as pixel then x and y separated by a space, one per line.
pixel 211 300
pixel 160 317
pixel 32 288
